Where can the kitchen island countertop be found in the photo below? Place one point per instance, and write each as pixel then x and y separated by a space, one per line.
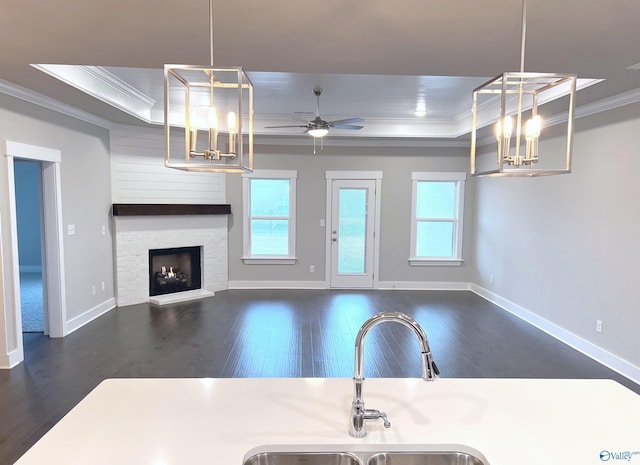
pixel 223 421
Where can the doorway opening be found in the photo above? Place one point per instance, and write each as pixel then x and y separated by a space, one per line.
pixel 52 249
pixel 27 175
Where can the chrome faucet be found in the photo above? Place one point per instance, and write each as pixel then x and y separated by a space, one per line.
pixel 359 414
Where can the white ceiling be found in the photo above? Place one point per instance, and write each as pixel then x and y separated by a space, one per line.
pixel 374 59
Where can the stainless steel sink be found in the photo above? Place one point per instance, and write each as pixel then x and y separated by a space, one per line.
pixel 369 457
pixel 424 458
pixel 302 458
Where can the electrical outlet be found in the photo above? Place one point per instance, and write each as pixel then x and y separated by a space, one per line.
pixel 71 229
pixel 490 279
pixel 102 286
pixel 104 230
pixel 599 326
pixel 322 222
pixel 93 290
pixel 312 268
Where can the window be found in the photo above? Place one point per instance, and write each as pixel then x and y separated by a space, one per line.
pixel 437 211
pixel 269 217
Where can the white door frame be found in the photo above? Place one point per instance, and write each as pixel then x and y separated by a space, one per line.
pixel 353 175
pixel 53 265
pixel 355 280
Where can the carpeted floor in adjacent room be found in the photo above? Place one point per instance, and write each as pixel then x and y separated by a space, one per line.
pixel 31 301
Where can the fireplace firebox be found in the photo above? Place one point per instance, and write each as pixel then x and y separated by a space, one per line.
pixel 174 270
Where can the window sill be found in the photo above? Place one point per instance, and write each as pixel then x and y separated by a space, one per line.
pixel 435 261
pixel 269 260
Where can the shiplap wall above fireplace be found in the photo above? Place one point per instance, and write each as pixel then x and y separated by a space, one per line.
pixel 138 174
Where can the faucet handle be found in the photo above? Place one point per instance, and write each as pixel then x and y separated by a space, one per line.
pixel 434 367
pixel 386 422
pixel 430 371
pixel 371 414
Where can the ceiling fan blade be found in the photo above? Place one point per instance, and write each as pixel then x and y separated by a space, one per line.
pixel 346 121
pixel 346 126
pixel 293 126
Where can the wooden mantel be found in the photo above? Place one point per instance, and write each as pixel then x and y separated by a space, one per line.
pixel 158 209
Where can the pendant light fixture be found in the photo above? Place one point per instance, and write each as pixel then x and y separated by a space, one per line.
pixel 208 114
pixel 512 112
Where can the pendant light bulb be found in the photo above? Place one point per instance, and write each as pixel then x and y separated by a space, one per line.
pixel 533 127
pixel 504 130
pixel 212 118
pixel 196 121
pixel 231 123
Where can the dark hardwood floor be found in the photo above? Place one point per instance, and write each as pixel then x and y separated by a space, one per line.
pixel 274 333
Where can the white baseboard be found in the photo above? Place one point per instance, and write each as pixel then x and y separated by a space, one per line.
pixel 10 360
pixel 382 285
pixel 90 315
pixel 277 285
pixel 589 349
pixel 424 286
pixel 30 269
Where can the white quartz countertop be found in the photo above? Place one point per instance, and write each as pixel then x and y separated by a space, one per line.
pixel 221 421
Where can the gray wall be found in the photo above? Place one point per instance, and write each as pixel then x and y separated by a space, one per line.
pixel 27 179
pixel 562 247
pixel 566 247
pixel 86 199
pixel 396 163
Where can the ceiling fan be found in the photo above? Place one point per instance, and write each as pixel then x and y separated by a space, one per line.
pixel 318 127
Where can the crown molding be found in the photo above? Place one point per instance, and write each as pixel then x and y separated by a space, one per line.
pixel 100 83
pixel 494 107
pixel 304 140
pixel 36 98
pixel 398 128
pixel 22 93
pixel 608 103
pixel 599 106
pixel 99 73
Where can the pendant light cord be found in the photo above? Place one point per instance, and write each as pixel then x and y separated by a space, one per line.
pixel 523 34
pixel 211 31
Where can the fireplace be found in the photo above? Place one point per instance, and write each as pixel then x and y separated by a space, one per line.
pixel 174 269
pixel 136 235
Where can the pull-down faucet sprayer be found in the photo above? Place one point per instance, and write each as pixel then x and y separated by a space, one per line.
pixel 359 415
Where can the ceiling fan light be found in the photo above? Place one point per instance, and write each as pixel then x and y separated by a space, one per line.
pixel 318 132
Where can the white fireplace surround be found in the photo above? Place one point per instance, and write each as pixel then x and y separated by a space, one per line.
pixel 136 235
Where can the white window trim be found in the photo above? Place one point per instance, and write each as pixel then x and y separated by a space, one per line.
pixel 456 260
pixel 353 175
pixel 247 258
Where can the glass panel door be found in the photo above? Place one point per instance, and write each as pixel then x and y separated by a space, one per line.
pixel 352 233
pixel 352 229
